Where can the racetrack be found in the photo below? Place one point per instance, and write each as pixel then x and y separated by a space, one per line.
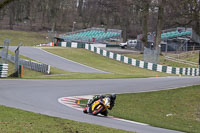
pixel 41 96
pixel 54 60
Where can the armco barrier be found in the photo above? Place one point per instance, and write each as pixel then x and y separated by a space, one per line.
pixel 134 62
pixel 31 65
pixel 3 70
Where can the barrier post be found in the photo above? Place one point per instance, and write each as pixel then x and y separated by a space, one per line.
pixel 199 62
pixel 20 71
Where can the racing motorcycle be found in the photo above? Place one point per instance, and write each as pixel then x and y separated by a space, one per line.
pixel 98 106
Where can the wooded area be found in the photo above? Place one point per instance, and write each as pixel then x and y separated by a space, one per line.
pixel 132 16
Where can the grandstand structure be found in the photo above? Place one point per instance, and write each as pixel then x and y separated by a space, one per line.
pixel 91 35
pixel 176 39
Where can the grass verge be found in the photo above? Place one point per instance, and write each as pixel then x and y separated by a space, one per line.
pixel 18 121
pixel 117 69
pixel 177 109
pixel 26 38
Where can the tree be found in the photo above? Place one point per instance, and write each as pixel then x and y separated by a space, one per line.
pixel 3 3
pixel 145 15
pixel 161 5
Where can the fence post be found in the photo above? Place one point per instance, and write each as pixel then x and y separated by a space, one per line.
pixel 20 71
pixel 199 62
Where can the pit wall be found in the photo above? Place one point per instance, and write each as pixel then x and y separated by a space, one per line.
pixel 133 62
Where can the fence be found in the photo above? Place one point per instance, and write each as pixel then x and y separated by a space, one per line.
pixel 151 55
pixel 134 62
pixel 31 65
pixel 142 64
pixel 3 70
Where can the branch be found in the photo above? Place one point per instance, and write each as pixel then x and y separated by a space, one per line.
pixel 5 2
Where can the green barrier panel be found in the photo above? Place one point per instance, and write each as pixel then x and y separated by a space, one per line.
pixel 186 71
pixel 164 69
pixel 137 63
pixel 145 65
pixel 101 52
pixel 191 71
pixel 69 44
pixel 95 49
pixel 81 45
pixel 173 70
pixel 154 67
pixel 115 56
pixel 181 71
pixel 59 44
pixel 129 61
pixel 108 54
pixel 122 58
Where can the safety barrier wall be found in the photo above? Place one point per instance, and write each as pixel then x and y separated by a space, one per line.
pixel 31 65
pixel 134 62
pixel 3 70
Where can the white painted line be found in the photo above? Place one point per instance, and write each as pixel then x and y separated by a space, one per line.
pixel 129 121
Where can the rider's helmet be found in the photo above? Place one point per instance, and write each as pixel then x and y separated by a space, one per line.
pixel 113 96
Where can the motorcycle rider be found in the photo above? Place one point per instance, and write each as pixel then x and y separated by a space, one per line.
pixel 90 102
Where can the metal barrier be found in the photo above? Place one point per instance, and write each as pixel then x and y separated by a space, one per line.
pixel 3 70
pixel 31 65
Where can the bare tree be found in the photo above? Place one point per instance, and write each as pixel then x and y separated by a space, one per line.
pixel 5 2
pixel 161 5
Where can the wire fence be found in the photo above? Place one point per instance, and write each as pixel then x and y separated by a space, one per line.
pixel 151 55
pixel 31 65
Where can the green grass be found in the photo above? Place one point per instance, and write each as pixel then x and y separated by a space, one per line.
pixel 117 69
pixel 26 38
pixel 18 121
pixel 181 105
pixel 189 56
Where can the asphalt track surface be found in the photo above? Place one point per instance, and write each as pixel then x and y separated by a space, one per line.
pixel 54 60
pixel 41 96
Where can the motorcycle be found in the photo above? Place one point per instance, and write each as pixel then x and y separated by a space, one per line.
pixel 98 106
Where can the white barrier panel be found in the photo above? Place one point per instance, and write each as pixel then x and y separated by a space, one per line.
pixel 126 60
pixel 74 45
pixel 133 62
pixel 64 44
pixel 159 68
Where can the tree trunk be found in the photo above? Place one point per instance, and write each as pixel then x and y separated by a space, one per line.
pixel 80 5
pixel 12 16
pixel 159 24
pixel 145 25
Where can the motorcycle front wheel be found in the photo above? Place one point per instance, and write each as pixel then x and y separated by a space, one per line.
pixel 98 110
